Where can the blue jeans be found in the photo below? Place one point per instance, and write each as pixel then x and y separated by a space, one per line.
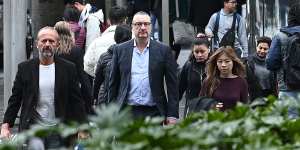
pixel 292 111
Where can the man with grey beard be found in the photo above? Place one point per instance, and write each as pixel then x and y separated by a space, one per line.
pixel 46 89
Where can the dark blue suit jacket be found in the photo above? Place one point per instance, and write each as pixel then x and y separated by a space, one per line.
pixel 162 65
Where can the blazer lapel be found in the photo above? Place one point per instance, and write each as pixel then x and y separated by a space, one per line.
pixel 58 84
pixel 35 78
pixel 129 55
pixel 152 55
pixel 58 76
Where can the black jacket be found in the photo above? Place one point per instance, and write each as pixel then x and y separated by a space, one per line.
pixel 76 56
pixel 162 67
pixel 67 98
pixel 101 80
pixel 255 86
pixel 191 77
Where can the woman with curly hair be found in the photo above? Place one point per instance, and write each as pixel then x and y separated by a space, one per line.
pixel 225 79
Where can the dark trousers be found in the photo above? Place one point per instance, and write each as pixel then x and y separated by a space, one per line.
pixel 51 141
pixel 140 112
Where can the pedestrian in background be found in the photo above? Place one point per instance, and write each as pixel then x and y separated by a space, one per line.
pixel 117 15
pixel 277 58
pixel 68 50
pixel 262 82
pixel 193 73
pixel 91 19
pixel 228 28
pixel 101 81
pixel 71 15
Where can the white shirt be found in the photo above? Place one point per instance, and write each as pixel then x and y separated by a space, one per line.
pixel 45 105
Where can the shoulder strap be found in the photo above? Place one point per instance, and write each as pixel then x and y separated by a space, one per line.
pixel 216 27
pixel 238 19
pixel 233 21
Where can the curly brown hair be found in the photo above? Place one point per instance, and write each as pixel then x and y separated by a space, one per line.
pixel 213 74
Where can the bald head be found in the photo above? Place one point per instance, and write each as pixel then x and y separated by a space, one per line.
pixel 47 30
pixel 47 44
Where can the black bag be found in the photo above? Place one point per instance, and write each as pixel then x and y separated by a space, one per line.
pixel 291 63
pixel 229 37
pixel 183 31
pixel 200 104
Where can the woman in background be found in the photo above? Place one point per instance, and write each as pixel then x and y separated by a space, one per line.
pixel 71 15
pixel 193 73
pixel 67 50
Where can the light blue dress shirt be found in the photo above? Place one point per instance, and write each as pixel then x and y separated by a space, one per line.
pixel 140 92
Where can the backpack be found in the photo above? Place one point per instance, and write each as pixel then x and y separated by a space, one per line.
pixel 229 37
pixel 291 62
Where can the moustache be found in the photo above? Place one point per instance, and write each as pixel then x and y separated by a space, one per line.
pixel 47 52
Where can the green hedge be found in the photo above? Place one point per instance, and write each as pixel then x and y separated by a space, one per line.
pixel 247 128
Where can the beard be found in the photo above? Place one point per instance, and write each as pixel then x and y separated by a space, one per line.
pixel 46 52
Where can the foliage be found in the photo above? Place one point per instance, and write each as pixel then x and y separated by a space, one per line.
pixel 264 125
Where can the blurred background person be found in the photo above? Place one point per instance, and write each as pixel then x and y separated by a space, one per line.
pixel 91 19
pixel 228 28
pixel 71 15
pixel 70 52
pixel 262 82
pixel 117 16
pixel 100 86
pixel 193 73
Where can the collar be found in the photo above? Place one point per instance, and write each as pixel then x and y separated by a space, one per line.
pixel 134 43
pixel 111 28
pixel 226 14
pixel 259 58
pixel 84 14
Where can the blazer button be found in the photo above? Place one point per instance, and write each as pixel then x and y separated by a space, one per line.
pixel 27 120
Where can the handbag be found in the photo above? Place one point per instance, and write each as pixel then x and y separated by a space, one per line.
pixel 229 37
pixel 199 104
pixel 183 32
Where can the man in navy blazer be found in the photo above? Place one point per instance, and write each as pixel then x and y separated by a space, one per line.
pixel 139 69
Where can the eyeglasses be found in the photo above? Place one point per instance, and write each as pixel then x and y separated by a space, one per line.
pixel 140 24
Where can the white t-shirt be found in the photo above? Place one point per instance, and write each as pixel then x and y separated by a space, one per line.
pixel 45 105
